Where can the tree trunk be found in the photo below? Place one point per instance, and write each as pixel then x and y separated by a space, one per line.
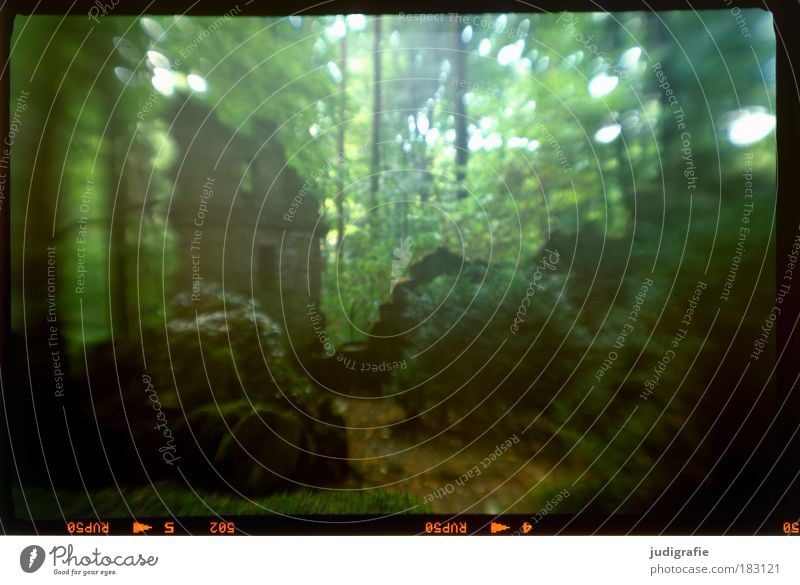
pixel 117 213
pixel 340 210
pixel 460 110
pixel 375 164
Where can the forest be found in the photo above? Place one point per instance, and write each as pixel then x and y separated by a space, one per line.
pixel 399 263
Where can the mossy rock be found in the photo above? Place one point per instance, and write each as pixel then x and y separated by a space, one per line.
pixel 262 451
pixel 258 449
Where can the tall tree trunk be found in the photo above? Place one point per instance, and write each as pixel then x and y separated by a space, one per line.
pixel 412 105
pixel 667 134
pixel 460 109
pixel 117 213
pixel 375 164
pixel 340 210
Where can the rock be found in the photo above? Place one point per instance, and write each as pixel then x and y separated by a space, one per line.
pixel 261 449
pixel 261 452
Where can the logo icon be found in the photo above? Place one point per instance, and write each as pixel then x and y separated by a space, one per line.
pixel 31 558
pixel 497 527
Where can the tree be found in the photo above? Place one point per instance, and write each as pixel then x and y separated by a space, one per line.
pixel 460 109
pixel 377 78
pixel 340 142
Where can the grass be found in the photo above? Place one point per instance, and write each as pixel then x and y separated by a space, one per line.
pixel 166 499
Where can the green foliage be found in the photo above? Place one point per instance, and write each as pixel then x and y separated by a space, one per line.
pixel 552 155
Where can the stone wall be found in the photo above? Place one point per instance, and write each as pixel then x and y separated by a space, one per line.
pixel 232 231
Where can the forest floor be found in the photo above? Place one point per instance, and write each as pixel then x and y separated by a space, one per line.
pixel 412 458
pixel 397 464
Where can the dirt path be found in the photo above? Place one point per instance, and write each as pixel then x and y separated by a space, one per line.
pixel 406 457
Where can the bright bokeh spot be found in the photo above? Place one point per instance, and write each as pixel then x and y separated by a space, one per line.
pixel 127 49
pixel 431 136
pixel 750 126
pixel 608 133
pixel 542 64
pixel 484 47
pixel 630 120
pixel 335 72
pixel 572 60
pixel 337 30
pixel 523 66
pixel 602 84
pixel 125 75
pixel 501 23
pixel 493 141
pixel 356 21
pixel 197 83
pixel 422 123
pixel 511 53
pixel 475 141
pixel 163 81
pixel 156 59
pixel 630 57
pixel 153 29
